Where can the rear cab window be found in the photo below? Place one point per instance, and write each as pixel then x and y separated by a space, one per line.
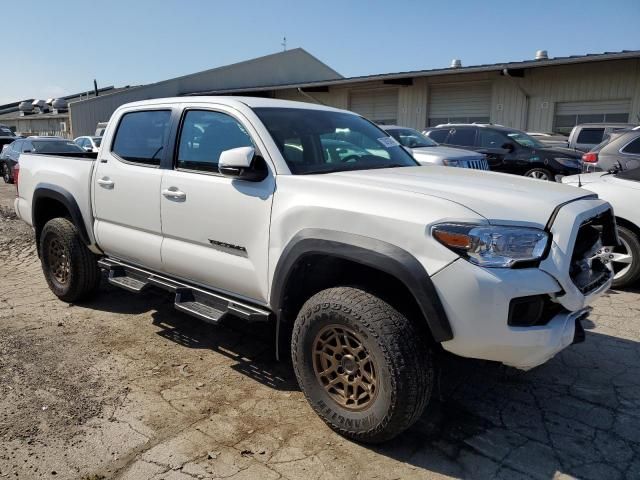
pixel 141 136
pixel 590 135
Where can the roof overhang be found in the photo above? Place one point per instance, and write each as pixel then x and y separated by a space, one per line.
pixel 405 78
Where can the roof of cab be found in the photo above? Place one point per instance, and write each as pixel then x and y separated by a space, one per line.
pixel 251 102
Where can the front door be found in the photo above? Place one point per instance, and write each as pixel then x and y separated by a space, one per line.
pixel 216 229
pixel 126 189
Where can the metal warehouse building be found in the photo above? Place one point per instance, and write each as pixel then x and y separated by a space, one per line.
pixel 291 66
pixel 541 94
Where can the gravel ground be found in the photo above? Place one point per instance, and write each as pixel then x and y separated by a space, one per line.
pixel 125 387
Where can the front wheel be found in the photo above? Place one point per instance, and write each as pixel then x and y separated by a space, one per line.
pixel 361 364
pixel 626 259
pixel 539 174
pixel 69 267
pixel 6 173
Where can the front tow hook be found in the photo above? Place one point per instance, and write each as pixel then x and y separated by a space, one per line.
pixel 580 335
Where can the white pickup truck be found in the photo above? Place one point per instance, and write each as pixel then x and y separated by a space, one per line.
pixel 368 264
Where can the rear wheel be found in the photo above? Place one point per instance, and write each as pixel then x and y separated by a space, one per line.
pixel 626 258
pixel 540 174
pixel 6 173
pixel 70 268
pixel 361 364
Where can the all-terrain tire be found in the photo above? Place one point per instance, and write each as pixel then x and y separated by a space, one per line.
pixel 631 246
pixel 404 364
pixel 70 268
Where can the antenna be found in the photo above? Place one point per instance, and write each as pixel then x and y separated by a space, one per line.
pixel 284 44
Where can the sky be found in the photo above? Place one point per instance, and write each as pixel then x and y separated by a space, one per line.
pixel 53 48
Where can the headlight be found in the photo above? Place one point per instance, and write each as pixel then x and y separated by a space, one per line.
pixel 492 246
pixel 450 163
pixel 568 162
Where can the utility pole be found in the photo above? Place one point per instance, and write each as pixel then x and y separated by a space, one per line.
pixel 284 44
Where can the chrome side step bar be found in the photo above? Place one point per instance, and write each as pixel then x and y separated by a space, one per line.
pixel 198 302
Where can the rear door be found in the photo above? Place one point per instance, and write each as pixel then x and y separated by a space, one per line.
pixel 126 189
pixel 462 137
pixel 216 229
pixel 631 154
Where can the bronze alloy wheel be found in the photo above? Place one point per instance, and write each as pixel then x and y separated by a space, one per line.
pixel 344 367
pixel 59 263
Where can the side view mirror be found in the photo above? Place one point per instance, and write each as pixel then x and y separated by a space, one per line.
pixel 510 147
pixel 242 163
pixel 88 149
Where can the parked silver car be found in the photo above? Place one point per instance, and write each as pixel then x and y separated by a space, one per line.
pixel 621 150
pixel 428 152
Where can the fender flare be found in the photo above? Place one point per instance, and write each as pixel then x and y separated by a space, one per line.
pixel 370 252
pixel 54 192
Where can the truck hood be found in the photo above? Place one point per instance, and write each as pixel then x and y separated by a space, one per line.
pixel 446 152
pixel 500 198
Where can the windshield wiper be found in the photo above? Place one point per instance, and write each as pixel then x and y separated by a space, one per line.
pixel 313 172
pixel 387 165
pixel 368 167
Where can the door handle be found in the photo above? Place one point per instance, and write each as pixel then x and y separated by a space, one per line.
pixel 174 194
pixel 106 182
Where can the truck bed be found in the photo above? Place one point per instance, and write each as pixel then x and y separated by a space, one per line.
pixel 67 175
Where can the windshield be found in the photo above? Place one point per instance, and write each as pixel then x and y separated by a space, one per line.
pixel 97 141
pixel 321 141
pixel 525 140
pixel 55 146
pixel 411 138
pixel 6 132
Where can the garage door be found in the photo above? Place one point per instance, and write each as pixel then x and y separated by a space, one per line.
pixel 380 106
pixel 570 114
pixel 459 103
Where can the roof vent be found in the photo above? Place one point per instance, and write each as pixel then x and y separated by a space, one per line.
pixel 59 105
pixel 26 107
pixel 40 106
pixel 456 63
pixel 542 55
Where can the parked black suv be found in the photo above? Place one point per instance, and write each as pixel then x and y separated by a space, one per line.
pixel 509 150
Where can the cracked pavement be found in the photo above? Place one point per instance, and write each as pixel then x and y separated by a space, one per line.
pixel 125 387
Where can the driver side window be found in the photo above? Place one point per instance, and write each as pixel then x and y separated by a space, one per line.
pixel 205 135
pixel 491 139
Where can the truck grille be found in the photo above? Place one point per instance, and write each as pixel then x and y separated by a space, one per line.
pixel 475 164
pixel 589 269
